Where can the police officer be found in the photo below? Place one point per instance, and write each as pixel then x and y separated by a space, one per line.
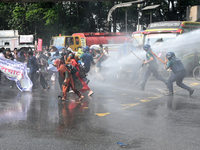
pixel 152 67
pixel 178 75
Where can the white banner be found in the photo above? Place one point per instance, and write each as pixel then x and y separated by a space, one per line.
pixel 26 39
pixel 16 71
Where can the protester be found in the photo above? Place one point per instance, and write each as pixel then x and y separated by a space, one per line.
pixel 1 56
pixel 68 49
pixel 22 57
pixel 11 57
pixel 57 63
pixel 33 66
pixel 9 54
pixel 43 73
pixel 106 54
pixel 70 79
pixel 87 58
pixel 75 64
pixel 16 55
pixel 98 66
pixel 49 58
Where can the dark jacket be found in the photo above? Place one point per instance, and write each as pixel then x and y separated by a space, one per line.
pixel 32 64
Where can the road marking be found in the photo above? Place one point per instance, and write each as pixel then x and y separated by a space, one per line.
pixel 124 94
pixel 111 100
pixel 193 84
pixel 145 100
pixel 102 114
pixel 153 97
pixel 129 105
pixel 113 90
pixel 100 95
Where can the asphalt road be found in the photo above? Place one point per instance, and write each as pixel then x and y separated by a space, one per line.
pixel 117 116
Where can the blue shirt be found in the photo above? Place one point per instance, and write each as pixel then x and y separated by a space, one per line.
pixel 87 59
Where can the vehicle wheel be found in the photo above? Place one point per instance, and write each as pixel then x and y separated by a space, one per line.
pixel 196 73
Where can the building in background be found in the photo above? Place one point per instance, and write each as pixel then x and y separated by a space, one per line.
pixel 193 13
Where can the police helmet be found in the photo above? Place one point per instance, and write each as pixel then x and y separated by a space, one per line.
pixel 146 47
pixel 170 55
pixel 86 49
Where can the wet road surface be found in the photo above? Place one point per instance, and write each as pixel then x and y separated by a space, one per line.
pixel 116 112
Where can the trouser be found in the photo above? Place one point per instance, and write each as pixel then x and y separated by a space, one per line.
pixel 87 69
pixel 65 89
pixel 155 74
pixel 43 81
pixel 60 80
pixel 178 77
pixel 33 77
pixel 98 74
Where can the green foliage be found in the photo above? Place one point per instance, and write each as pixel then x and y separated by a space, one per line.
pixel 67 17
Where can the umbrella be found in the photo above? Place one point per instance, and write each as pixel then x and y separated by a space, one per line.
pixel 59 48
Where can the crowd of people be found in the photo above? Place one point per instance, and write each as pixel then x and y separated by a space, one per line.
pixel 71 68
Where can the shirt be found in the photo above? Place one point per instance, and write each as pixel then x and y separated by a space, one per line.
pixel 87 59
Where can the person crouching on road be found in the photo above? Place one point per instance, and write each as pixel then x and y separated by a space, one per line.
pixel 178 74
pixel 70 80
pixel 152 68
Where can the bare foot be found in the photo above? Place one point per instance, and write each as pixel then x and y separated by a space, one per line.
pixel 81 97
pixel 90 93
pixel 53 82
pixel 63 99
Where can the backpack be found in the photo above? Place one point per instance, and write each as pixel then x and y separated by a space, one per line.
pixel 82 72
pixel 71 68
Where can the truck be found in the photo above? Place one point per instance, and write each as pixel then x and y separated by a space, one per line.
pixel 78 40
pixel 11 39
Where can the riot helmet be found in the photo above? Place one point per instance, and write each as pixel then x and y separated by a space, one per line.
pixel 86 49
pixel 170 55
pixel 146 47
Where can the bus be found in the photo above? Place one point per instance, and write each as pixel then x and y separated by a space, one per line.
pixel 160 32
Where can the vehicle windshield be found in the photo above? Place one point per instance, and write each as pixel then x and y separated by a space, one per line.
pixel 137 39
pixel 153 38
pixel 58 41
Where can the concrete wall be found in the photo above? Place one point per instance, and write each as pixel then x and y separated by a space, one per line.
pixel 193 13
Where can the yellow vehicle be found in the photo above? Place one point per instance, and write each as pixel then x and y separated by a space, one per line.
pixel 78 40
pixel 74 42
